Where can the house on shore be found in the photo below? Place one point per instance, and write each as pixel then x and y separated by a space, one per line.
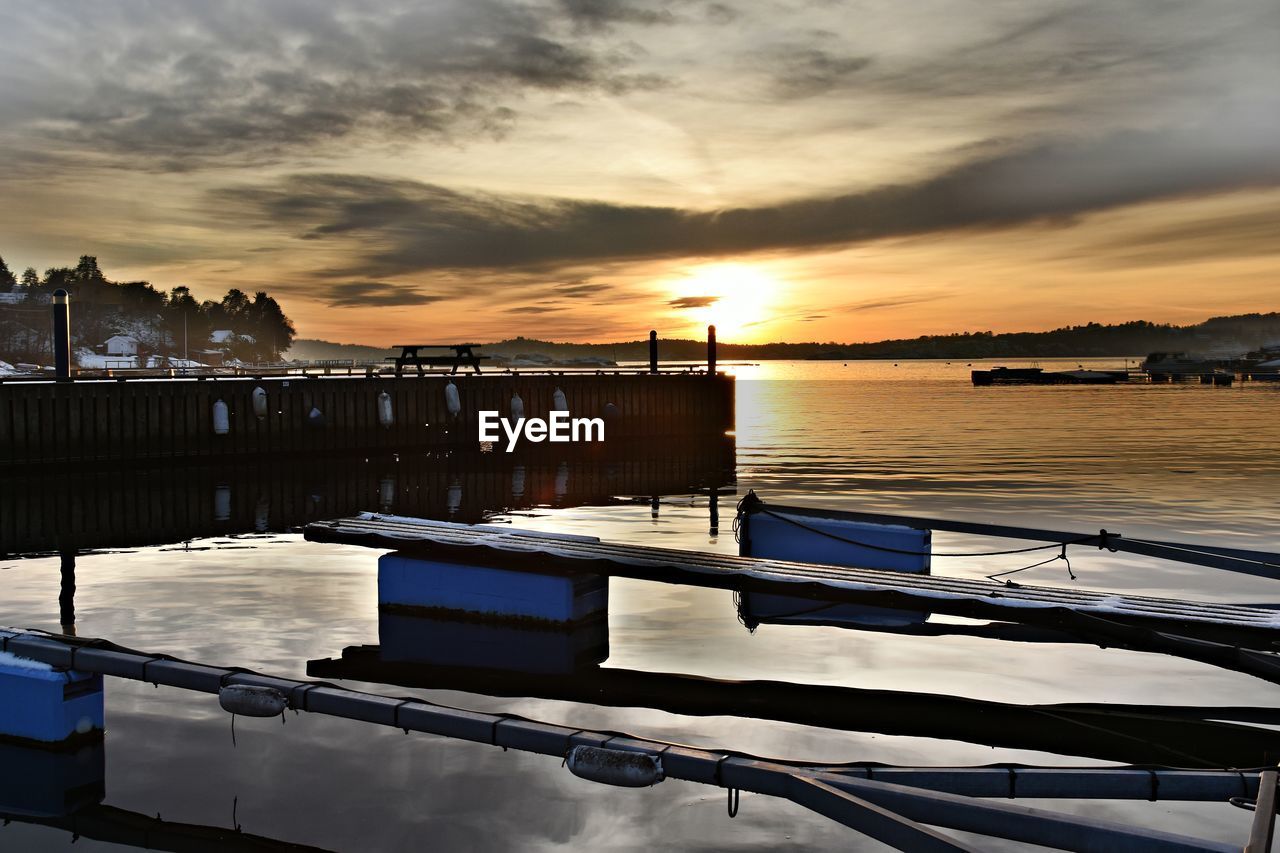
pixel 121 346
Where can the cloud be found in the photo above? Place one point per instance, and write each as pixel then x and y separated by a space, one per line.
pixel 720 13
pixel 694 301
pixel 205 82
pixel 885 302
pixel 575 289
pixel 803 72
pixel 534 309
pixel 356 294
pixel 601 14
pixel 396 227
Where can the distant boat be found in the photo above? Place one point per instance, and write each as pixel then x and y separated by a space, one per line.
pixel 1038 376
pixel 1176 364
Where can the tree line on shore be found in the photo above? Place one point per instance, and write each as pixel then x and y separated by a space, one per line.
pixel 1135 338
pixel 174 324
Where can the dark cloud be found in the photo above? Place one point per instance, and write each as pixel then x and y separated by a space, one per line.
pixel 883 302
pixel 600 14
pixel 354 294
pixel 693 301
pixel 721 13
pixel 397 227
pixel 534 309
pixel 171 91
pixel 583 289
pixel 802 72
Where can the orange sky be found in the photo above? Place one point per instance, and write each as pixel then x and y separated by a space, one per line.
pixel 786 170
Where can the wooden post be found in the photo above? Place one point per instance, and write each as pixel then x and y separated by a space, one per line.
pixel 653 350
pixel 61 335
pixel 67 593
pixel 711 350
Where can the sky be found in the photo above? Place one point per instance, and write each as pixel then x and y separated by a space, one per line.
pixel 586 170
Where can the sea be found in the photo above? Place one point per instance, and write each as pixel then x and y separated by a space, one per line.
pixel 210 564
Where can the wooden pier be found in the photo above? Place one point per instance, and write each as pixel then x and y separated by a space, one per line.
pixel 78 421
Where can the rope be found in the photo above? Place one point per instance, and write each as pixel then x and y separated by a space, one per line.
pixel 1063 556
pixel 758 506
pixel 1191 549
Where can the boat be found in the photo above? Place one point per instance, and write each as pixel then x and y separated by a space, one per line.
pixel 1039 376
pixel 1174 364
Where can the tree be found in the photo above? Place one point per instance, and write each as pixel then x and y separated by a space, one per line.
pixel 236 307
pixel 273 331
pixel 59 277
pixel 87 269
pixel 30 278
pixel 188 326
pixel 7 281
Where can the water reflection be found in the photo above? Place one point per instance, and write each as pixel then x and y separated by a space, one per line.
pixel 65 511
pixel 501 632
pixel 64 790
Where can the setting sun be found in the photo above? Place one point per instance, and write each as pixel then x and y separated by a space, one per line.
pixel 733 297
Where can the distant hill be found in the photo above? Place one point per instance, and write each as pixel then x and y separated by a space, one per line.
pixel 311 349
pixel 1218 337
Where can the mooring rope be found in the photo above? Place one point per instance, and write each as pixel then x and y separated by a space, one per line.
pixel 752 503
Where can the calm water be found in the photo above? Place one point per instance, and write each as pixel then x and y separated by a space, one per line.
pixel 1187 462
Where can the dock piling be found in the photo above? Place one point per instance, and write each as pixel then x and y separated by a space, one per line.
pixel 711 350
pixel 653 350
pixel 61 335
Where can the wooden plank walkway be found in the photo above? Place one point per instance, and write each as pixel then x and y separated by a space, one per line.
pixel 517 549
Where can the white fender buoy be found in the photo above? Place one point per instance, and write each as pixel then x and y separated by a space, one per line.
pixel 562 480
pixel 559 403
pixel 259 402
pixel 615 766
pixel 453 500
pixel 315 417
pixel 517 482
pixel 222 503
pixel 517 407
pixel 386 412
pixel 251 700
pixel 451 400
pixel 221 418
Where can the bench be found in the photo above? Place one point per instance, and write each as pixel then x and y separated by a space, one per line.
pixel 462 354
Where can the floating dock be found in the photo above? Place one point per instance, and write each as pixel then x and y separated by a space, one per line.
pixel 516 549
pixel 106 420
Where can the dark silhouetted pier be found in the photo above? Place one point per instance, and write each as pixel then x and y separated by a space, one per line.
pixel 105 420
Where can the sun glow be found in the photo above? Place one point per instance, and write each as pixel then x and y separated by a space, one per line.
pixel 736 298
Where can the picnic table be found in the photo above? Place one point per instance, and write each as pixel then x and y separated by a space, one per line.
pixel 462 354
